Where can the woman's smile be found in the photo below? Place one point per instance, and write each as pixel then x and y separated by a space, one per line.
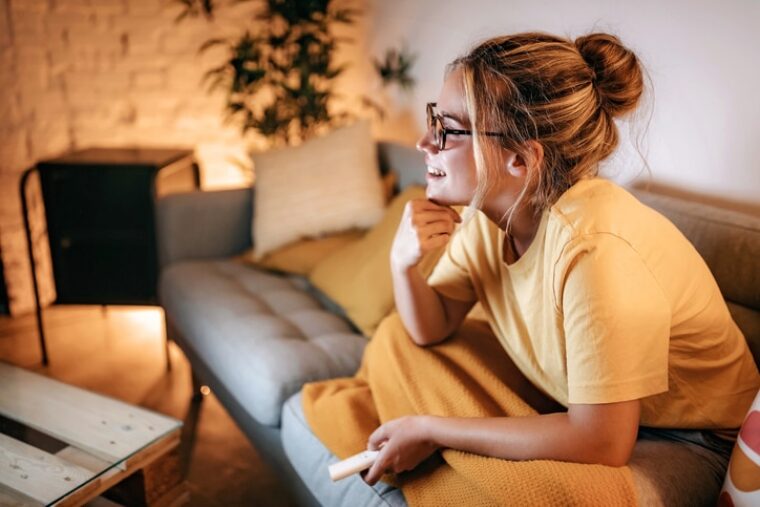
pixel 434 173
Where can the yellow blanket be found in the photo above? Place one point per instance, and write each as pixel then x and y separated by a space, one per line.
pixel 463 377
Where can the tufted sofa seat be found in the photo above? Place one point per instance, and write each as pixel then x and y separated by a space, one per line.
pixel 254 337
pixel 233 315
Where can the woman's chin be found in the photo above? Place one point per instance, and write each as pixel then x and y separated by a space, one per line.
pixel 442 198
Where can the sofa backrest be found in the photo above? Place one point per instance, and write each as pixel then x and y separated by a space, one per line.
pixel 728 241
pixel 405 161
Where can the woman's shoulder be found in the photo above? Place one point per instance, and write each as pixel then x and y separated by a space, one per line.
pixel 599 206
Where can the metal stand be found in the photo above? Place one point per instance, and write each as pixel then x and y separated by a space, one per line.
pixel 27 230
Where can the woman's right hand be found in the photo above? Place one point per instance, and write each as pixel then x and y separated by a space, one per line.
pixel 424 226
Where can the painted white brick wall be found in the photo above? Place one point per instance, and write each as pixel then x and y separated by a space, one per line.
pixel 78 73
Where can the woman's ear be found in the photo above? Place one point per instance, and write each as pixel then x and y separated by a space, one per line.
pixel 519 165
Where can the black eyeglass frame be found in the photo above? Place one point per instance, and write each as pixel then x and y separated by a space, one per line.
pixel 439 135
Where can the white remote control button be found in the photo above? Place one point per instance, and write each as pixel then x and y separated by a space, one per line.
pixel 355 464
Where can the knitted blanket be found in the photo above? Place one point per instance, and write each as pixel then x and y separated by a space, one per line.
pixel 462 377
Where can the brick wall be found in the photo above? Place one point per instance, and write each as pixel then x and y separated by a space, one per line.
pixel 79 73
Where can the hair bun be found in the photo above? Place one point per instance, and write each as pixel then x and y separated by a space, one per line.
pixel 619 78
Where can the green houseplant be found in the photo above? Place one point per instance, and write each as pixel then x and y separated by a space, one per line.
pixel 279 75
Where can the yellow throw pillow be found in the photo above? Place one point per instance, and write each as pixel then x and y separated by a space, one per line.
pixel 358 277
pixel 302 256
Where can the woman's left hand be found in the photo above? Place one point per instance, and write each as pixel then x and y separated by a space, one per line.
pixel 404 443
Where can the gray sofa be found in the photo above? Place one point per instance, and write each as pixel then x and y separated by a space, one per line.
pixel 256 337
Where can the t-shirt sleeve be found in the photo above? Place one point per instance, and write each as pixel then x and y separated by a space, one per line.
pixel 451 276
pixel 616 320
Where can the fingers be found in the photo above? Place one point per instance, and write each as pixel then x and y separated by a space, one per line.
pixel 431 217
pixel 434 236
pixel 436 242
pixel 435 229
pixel 456 216
pixel 377 469
pixel 420 206
pixel 377 438
pixel 425 226
pixel 377 441
pixel 430 225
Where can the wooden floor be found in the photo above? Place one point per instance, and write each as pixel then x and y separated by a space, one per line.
pixel 119 352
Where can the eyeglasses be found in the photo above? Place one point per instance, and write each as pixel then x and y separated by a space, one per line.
pixel 435 123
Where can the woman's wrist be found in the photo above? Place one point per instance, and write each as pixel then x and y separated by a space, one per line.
pixel 402 268
pixel 430 425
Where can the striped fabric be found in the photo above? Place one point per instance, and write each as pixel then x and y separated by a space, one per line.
pixel 328 184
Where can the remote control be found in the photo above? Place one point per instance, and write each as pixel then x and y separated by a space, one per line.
pixel 352 465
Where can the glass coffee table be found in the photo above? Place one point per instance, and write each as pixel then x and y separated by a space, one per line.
pixel 61 445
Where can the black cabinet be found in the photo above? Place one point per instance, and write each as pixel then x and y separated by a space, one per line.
pixel 99 206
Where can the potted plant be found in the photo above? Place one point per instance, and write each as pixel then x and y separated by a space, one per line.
pixel 279 75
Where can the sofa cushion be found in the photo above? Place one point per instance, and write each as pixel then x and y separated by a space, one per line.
pixel 261 333
pixel 748 321
pixel 302 256
pixel 310 458
pixel 325 185
pixel 358 277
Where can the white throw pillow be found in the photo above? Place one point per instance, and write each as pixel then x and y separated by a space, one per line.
pixel 327 184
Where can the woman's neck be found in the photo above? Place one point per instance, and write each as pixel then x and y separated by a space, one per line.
pixel 522 227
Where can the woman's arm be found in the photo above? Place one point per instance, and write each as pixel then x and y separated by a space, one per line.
pixel 601 434
pixel 428 316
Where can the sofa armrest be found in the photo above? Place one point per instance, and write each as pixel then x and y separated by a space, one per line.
pixel 203 225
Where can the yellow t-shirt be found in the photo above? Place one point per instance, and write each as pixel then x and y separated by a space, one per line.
pixel 609 303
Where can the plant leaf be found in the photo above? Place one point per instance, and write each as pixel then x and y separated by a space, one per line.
pixel 211 43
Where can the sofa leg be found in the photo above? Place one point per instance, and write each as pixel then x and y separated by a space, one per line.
pixel 168 332
pixel 198 388
pixel 167 351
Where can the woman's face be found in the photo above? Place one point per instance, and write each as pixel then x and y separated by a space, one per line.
pixel 451 173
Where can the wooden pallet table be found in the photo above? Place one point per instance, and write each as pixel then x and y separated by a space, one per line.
pixel 61 445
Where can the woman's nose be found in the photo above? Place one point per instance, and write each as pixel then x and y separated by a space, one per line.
pixel 425 143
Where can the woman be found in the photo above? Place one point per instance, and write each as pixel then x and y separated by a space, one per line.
pixel 599 301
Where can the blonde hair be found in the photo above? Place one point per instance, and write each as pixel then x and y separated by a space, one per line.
pixel 562 94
